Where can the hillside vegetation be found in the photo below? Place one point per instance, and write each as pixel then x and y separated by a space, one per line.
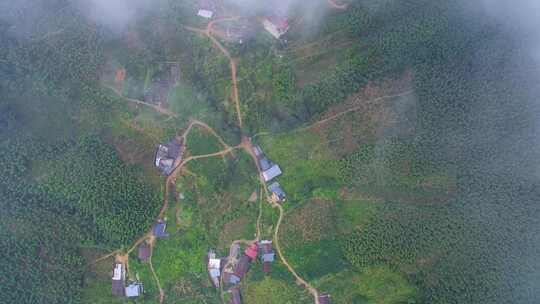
pixel 407 155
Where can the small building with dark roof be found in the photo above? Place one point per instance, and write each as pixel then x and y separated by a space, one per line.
pixel 160 229
pixel 144 251
pixel 118 280
pixel 324 298
pixel 235 296
pixel 265 164
pixel 242 267
pixel 267 255
pixel 230 278
pixel 277 194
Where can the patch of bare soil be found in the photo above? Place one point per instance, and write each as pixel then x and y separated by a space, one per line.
pixel 232 231
pixel 350 194
pixel 122 259
pixel 366 116
pixel 313 59
pixel 253 197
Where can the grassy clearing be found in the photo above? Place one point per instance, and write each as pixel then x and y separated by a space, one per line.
pixel 184 101
pixel 315 57
pixel 99 292
pixel 377 285
pixel 220 198
pixel 143 273
pixel 384 286
pixel 309 237
pixel 352 214
pixel 179 255
pixel 97 280
pixel 214 198
pixel 306 163
pixel 272 291
pixel 200 142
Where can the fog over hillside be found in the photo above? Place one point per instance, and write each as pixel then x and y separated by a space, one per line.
pixel 450 207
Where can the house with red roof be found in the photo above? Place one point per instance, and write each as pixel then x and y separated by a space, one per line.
pixel 251 251
pixel 243 265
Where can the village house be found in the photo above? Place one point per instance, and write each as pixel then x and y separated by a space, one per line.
pixel 235 296
pixel 242 267
pixel 272 172
pixel 144 251
pixel 160 229
pixel 277 195
pixel 134 289
pixel 267 255
pixel 277 26
pixel 269 169
pixel 240 270
pixel 324 298
pixel 206 9
pixel 169 156
pixel 214 268
pixel 118 280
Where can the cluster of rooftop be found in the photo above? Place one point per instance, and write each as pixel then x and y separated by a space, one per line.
pixel 119 287
pixel 240 267
pixel 270 171
pixel 134 288
pixel 274 22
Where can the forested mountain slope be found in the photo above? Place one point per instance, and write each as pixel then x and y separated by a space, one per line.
pixel 441 208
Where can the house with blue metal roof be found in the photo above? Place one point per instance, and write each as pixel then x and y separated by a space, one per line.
pixel 160 229
pixel 277 195
pixel 134 289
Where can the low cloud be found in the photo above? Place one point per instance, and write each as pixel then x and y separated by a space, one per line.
pixel 117 14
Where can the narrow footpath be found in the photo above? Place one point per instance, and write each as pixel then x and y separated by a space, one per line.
pixel 232 62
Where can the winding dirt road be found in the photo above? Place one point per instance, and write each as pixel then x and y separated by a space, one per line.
pixel 154 274
pixel 247 144
pixel 232 62
pixel 299 279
